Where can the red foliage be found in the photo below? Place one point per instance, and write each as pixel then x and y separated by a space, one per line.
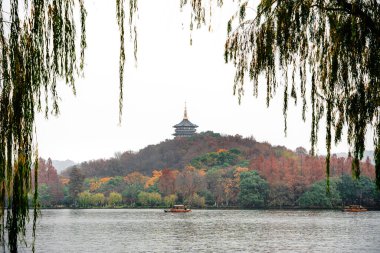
pixel 48 175
pixel 166 183
pixel 303 169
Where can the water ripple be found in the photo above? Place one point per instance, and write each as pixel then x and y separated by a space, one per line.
pixel 148 230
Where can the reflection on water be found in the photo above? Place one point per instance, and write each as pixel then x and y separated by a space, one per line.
pixel 149 230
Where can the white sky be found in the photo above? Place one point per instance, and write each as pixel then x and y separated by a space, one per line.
pixel 169 72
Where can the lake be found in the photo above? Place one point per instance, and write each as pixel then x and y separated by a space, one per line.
pixel 152 230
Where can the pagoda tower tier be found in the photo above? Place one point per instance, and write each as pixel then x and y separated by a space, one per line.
pixel 185 128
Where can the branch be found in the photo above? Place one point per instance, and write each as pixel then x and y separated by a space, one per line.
pixel 5 21
pixel 326 8
pixel 356 11
pixel 252 21
pixel 353 9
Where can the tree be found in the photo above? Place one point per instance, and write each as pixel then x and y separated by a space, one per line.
pixel 47 175
pixel 84 199
pixel 97 199
pixel 214 180
pixel 114 184
pixel 75 184
pixel 36 48
pixel 359 192
pixel 136 178
pixel 334 45
pixel 188 182
pixel 156 174
pixel 280 196
pixel 316 196
pixel 169 200
pixel 221 158
pixel 44 197
pixel 166 183
pixel 198 201
pixel 55 186
pixel 131 192
pixel 301 151
pixel 149 198
pixel 336 41
pixel 114 198
pixel 253 190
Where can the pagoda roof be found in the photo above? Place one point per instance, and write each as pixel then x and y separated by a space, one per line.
pixel 185 123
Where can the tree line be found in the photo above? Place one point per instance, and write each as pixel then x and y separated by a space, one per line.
pixel 278 178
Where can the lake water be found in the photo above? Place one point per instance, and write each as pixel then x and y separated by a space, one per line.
pixel 152 230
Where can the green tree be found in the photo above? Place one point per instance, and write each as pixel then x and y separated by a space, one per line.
pixel 75 184
pixel 114 199
pixel 316 196
pixel 98 199
pixel 198 201
pixel 222 158
pixel 84 199
pixel 169 200
pixel 44 197
pixel 115 184
pixel 131 191
pixel 280 196
pixel 209 197
pixel 149 198
pixel 253 190
pixel 360 192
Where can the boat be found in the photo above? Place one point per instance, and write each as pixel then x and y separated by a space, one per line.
pixel 354 208
pixel 177 209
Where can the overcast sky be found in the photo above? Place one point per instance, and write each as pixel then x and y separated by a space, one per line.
pixel 168 73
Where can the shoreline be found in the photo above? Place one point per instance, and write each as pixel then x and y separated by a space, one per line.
pixel 206 208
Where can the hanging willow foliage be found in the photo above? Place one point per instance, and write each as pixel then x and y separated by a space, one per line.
pixel 333 45
pixel 38 46
pixel 120 15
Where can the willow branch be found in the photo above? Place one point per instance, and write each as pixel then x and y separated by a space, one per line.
pixel 355 10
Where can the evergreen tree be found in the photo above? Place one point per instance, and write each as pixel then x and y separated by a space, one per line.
pixel 253 190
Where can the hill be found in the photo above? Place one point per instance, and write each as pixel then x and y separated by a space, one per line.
pixel 210 169
pixel 176 153
pixel 62 165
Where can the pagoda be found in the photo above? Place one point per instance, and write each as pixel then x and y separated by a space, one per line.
pixel 185 128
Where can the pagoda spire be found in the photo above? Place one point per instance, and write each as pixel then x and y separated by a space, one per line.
pixel 185 112
pixel 185 128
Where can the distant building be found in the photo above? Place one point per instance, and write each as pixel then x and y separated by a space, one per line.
pixel 185 128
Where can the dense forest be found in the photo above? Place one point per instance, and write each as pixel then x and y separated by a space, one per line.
pixel 174 153
pixel 209 170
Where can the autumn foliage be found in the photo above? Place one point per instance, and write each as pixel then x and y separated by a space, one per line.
pixel 234 172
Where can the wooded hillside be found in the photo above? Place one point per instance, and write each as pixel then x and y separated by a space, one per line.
pixel 176 153
pixel 212 170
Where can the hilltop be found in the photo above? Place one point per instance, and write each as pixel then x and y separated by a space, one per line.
pixel 177 153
